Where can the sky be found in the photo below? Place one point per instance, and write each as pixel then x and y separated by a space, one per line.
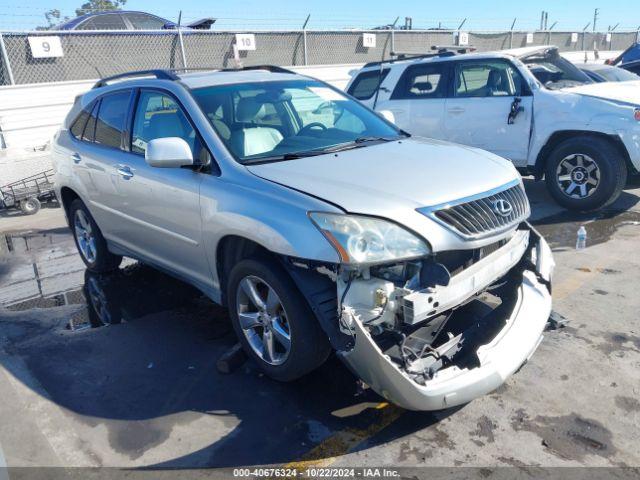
pixel 571 15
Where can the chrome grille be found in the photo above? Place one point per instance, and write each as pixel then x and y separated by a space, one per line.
pixel 480 216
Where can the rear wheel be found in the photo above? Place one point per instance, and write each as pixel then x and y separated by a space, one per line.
pixel 30 206
pixel 585 173
pixel 273 321
pixel 89 240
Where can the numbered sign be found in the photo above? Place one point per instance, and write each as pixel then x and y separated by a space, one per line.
pixel 245 41
pixel 45 47
pixel 529 37
pixel 369 40
pixel 462 38
pixel 608 38
pixel 574 37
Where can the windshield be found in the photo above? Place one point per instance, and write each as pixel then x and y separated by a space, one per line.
pixel 282 120
pixel 555 72
pixel 615 74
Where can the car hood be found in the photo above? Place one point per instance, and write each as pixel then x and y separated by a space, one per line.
pixel 389 178
pixel 627 92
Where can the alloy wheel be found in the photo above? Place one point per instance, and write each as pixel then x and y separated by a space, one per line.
pixel 263 320
pixel 578 175
pixel 84 236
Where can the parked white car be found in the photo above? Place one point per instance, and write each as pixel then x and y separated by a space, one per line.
pixel 583 137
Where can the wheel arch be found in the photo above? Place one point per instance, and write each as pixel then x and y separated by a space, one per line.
pixel 67 196
pixel 559 136
pixel 230 250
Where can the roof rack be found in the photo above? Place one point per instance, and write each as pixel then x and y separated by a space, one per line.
pixel 170 74
pixel 440 51
pixel 159 74
pixel 268 68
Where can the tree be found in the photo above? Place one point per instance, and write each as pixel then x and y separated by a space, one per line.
pixel 54 16
pixel 99 6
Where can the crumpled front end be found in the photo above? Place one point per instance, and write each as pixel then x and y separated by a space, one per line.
pixel 429 335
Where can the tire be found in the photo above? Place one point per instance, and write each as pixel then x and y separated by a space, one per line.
pixel 309 345
pixel 30 206
pixel 97 257
pixel 570 176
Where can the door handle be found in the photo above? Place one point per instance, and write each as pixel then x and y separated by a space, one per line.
pixel 456 110
pixel 76 158
pixel 124 171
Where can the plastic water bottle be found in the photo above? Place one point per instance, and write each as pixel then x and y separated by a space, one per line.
pixel 581 241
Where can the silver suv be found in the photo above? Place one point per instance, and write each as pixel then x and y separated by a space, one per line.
pixel 319 224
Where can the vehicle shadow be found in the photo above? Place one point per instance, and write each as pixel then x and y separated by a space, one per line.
pixel 140 361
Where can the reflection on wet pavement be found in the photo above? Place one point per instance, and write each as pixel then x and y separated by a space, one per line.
pixel 39 269
pixel 560 230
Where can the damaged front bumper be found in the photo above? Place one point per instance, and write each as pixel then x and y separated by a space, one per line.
pixel 526 263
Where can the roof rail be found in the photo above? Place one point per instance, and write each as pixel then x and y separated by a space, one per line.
pixel 268 68
pixel 409 56
pixel 159 74
pixel 454 48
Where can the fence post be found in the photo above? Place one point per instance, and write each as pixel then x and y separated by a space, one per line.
pixel 304 46
pixel 184 58
pixel 393 42
pixel 5 59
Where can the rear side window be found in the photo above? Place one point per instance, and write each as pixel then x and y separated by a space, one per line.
pixel 111 119
pixel 89 132
pixel 111 21
pixel 81 120
pixel 141 21
pixel 365 84
pixel 423 81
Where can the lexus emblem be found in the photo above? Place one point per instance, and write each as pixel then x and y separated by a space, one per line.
pixel 502 207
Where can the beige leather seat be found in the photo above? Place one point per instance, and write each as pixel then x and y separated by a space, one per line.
pixel 251 138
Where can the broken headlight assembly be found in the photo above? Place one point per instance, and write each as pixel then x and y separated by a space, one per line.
pixel 366 240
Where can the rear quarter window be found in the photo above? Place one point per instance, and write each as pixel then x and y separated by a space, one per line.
pixel 77 127
pixel 366 83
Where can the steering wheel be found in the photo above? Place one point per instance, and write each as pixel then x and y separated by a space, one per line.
pixel 311 126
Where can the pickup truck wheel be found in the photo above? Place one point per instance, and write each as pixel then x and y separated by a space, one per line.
pixel 273 321
pixel 585 173
pixel 30 206
pixel 89 240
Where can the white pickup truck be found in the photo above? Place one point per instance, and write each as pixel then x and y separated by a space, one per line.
pixel 529 105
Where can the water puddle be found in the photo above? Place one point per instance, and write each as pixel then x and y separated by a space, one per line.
pixel 560 230
pixel 44 271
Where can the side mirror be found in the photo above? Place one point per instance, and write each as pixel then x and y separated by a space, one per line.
pixel 388 115
pixel 168 152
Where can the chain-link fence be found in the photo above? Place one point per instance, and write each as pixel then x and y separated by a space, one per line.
pixel 90 55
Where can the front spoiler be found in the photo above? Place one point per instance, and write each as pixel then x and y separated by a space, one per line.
pixel 499 359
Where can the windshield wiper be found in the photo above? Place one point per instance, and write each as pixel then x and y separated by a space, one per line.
pixel 283 157
pixel 357 143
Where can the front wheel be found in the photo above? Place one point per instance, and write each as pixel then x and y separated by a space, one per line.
pixel 273 321
pixel 585 173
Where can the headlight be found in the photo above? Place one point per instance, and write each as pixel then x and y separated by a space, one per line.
pixel 361 239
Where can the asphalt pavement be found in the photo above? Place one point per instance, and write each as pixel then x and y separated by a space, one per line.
pixel 120 370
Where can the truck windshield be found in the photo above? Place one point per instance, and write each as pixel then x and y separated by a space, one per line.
pixel 283 120
pixel 555 72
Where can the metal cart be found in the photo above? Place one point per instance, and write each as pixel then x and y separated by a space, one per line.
pixel 29 193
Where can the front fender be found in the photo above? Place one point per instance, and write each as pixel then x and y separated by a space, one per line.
pixel 273 216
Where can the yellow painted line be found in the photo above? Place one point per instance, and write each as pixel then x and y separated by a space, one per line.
pixel 344 441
